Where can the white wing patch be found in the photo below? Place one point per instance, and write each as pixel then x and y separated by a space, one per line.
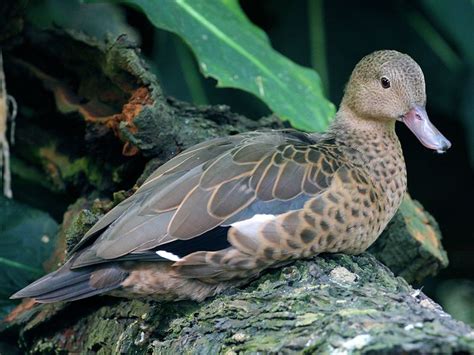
pixel 167 255
pixel 250 226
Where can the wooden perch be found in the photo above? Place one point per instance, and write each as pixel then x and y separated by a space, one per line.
pixel 411 244
pixel 327 304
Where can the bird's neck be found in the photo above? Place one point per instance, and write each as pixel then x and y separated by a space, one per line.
pixel 349 123
pixel 373 145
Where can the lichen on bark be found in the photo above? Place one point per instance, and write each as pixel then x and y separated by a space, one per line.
pixel 333 303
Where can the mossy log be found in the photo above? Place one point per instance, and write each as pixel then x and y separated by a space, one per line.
pixel 110 125
pixel 330 304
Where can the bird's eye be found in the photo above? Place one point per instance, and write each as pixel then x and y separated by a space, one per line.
pixel 385 82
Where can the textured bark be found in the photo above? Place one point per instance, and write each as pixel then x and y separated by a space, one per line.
pixel 109 122
pixel 411 244
pixel 112 114
pixel 332 303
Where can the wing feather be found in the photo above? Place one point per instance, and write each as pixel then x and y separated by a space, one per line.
pixel 230 198
pixel 194 156
pixel 210 185
pixel 172 194
pixel 131 233
pixel 192 217
pixel 265 186
pixel 222 170
pixel 288 184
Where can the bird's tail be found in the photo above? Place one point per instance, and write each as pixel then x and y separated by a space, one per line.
pixel 68 284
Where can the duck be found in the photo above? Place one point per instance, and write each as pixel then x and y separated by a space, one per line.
pixel 221 212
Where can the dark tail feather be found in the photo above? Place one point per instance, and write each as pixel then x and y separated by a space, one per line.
pixel 70 285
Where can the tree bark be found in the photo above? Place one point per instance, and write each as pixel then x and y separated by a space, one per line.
pixel 94 119
pixel 334 303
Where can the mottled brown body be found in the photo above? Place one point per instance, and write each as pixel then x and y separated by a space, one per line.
pixel 222 211
pixel 161 282
pixel 360 187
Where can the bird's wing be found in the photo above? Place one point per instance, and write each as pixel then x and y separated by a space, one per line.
pixel 214 184
pixel 168 172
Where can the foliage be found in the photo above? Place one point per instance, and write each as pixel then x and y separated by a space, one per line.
pixel 27 238
pixel 237 54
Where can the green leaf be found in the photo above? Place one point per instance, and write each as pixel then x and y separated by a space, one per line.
pixel 27 239
pixel 230 49
pixel 455 21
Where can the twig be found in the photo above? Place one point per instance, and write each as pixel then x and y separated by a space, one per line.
pixel 4 117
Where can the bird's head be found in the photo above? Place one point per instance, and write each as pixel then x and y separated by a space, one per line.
pixel 388 85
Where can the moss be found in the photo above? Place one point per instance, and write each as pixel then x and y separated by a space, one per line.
pixel 84 166
pixel 317 313
pixel 411 244
pixel 81 223
pixel 70 170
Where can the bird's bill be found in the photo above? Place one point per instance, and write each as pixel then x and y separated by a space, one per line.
pixel 418 122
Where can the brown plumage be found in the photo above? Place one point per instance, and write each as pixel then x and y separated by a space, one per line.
pixel 224 210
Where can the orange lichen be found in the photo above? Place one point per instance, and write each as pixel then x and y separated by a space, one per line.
pixel 24 306
pixel 130 110
pixel 94 110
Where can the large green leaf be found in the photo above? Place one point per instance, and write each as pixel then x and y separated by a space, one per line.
pixel 27 239
pixel 238 54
